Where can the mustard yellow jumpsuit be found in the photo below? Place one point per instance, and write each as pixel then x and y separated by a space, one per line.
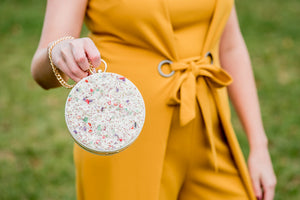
pixel 187 149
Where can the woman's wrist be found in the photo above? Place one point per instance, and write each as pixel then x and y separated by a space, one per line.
pixel 257 140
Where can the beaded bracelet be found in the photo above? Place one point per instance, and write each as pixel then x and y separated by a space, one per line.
pixel 54 69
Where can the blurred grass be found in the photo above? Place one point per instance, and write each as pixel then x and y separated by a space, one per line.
pixel 36 150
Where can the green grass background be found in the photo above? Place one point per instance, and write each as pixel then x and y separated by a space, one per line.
pixel 36 150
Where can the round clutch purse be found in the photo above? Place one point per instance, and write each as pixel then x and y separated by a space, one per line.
pixel 105 113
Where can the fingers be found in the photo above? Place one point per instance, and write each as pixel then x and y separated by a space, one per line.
pixel 84 51
pixel 80 58
pixel 262 174
pixel 74 71
pixel 73 74
pixel 257 187
pixel 269 187
pixel 92 53
pixel 67 63
pixel 73 57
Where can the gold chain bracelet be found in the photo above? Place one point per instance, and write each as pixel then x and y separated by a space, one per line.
pixel 54 69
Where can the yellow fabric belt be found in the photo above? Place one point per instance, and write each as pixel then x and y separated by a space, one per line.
pixel 198 76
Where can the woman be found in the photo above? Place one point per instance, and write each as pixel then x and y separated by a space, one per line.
pixel 187 149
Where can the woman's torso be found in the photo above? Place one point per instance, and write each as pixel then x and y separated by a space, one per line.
pixel 169 27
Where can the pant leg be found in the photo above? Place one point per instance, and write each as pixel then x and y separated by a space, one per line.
pixel 202 180
pixel 176 159
pixel 189 172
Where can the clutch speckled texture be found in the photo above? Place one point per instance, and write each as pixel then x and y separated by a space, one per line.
pixel 105 113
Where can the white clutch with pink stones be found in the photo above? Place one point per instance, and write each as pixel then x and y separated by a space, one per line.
pixel 105 113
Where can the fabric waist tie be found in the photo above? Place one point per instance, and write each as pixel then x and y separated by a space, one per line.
pixel 197 77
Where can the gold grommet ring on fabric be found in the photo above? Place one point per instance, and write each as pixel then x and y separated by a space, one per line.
pixel 160 70
pixel 208 54
pixel 211 57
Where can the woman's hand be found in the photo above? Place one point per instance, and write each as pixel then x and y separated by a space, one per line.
pixel 261 172
pixel 63 18
pixel 73 57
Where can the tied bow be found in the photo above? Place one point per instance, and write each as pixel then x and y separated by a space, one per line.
pixel 198 78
